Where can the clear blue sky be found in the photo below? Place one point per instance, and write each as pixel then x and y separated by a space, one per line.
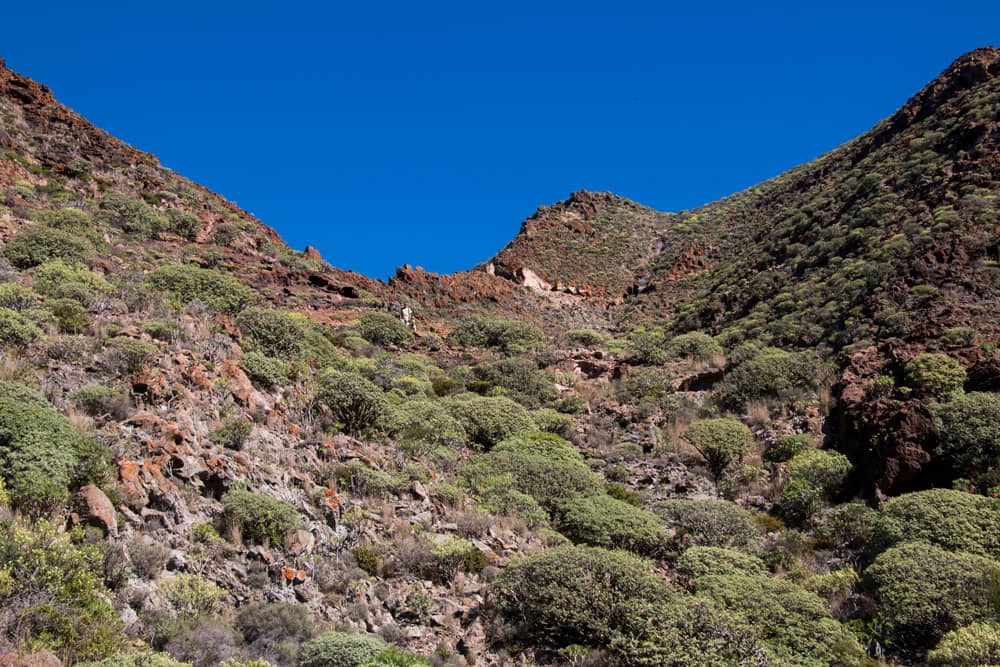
pixel 386 133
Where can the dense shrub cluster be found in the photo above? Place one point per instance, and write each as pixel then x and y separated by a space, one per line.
pixel 953 520
pixel 815 475
pixel 39 244
pixel 51 596
pixel 42 456
pixel 771 373
pixel 489 419
pixel 16 329
pixel 972 646
pixel 713 523
pixel 923 592
pixel 694 345
pixel 258 516
pixel 720 441
pixel 353 401
pixel 969 431
pixel 935 374
pixel 697 562
pixel 132 216
pixel 595 597
pixel 187 283
pixel 340 649
pixel 384 329
pixel 274 333
pixel 603 521
pixel 517 377
pixel 497 333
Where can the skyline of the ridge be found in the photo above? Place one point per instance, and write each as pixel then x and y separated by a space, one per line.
pixel 350 131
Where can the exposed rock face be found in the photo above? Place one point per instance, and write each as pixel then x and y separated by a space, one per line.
pixel 94 508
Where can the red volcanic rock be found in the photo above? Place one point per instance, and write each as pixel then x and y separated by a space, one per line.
pixel 93 507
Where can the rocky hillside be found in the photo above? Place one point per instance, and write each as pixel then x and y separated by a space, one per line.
pixel 762 432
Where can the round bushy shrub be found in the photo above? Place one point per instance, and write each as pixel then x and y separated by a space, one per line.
pixel 540 465
pixel 499 333
pixel 519 378
pixel 923 592
pixel 353 400
pixel 814 476
pixel 696 345
pixel 143 659
pixel 585 337
pixel 41 455
pixel 132 352
pixel 974 645
pixel 602 521
pixel 133 216
pixel 424 421
pixel 187 283
pixel 39 244
pixel 260 517
pixel 720 441
pixel 267 371
pixel 793 623
pixel 340 649
pixel 787 446
pixel 613 600
pixel 712 523
pixel 772 373
pixel 384 329
pixel 647 346
pixel 17 297
pixel 52 595
pixel 52 278
pixel 969 431
pixel 274 630
pixel 953 520
pixel 15 329
pixel 273 332
pixel 698 562
pixel 489 419
pixel 935 374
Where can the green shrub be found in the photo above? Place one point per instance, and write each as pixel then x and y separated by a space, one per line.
pixel 602 521
pixel 39 244
pixel 697 562
pixel 612 600
pixel 847 526
pixel 267 371
pixel 814 476
pixel 232 433
pixel 187 283
pixel 340 649
pixel 51 279
pixel 66 219
pixel 260 517
pixel 184 224
pixel 353 401
pixel 585 337
pixel 786 447
pixel 41 455
pixel 647 346
pixel 132 352
pixel 133 216
pixel 621 492
pixel 52 595
pixel 935 374
pixel 720 441
pixel 70 315
pixel 489 419
pixel 923 592
pixel 136 660
pixel 497 333
pixel 391 656
pixel 540 465
pixel 275 333
pixel 696 345
pixel 518 377
pixel 191 595
pixel 274 630
pixel 15 329
pixel 17 297
pixel 367 559
pixel 772 373
pixel 96 399
pixel 712 523
pixel 953 520
pixel 969 431
pixel 976 645
pixel 427 422
pixel 792 622
pixel 384 329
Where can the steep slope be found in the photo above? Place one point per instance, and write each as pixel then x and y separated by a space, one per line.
pixel 250 448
